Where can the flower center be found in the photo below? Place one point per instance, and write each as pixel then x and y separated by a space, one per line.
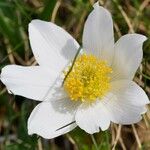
pixel 88 80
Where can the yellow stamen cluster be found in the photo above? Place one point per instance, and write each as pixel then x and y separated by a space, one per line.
pixel 88 80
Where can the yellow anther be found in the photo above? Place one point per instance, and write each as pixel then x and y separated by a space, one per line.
pixel 89 79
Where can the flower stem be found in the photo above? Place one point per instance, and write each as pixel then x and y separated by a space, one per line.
pixel 72 64
pixel 94 141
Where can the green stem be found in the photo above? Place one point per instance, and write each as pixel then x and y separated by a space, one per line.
pixel 94 141
pixel 74 60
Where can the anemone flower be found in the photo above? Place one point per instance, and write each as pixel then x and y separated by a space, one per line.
pixel 87 87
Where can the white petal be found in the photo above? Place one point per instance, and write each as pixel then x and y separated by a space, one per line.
pixel 129 90
pixel 52 46
pixel 126 102
pixel 92 117
pixel 128 56
pixel 98 37
pixel 50 120
pixel 31 82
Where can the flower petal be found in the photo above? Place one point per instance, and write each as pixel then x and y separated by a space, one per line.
pixel 50 120
pixel 126 102
pixel 129 90
pixel 92 117
pixel 98 37
pixel 128 56
pixel 32 82
pixel 52 46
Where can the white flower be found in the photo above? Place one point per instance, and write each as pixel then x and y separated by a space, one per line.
pixel 99 89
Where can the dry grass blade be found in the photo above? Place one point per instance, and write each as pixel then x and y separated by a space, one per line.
pixel 40 144
pixel 137 137
pixel 72 141
pixel 131 30
pixel 117 137
pixel 55 10
pixel 80 24
pixel 144 4
pixel 9 52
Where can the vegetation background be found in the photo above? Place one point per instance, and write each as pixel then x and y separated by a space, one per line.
pixel 128 15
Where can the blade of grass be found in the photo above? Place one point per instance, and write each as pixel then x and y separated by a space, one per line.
pixel 94 142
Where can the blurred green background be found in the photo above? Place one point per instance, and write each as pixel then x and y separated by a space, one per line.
pixel 128 15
